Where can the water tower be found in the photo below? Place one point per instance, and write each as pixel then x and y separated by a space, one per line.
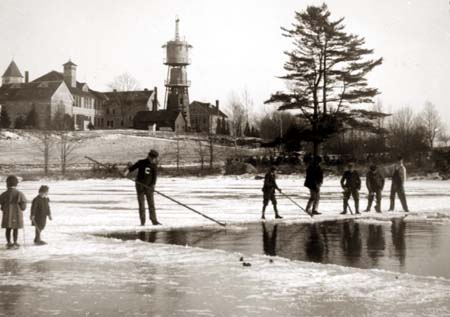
pixel 177 60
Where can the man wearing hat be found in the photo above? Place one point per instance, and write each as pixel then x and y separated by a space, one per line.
pixel 351 183
pixel 145 184
pixel 375 184
pixel 270 185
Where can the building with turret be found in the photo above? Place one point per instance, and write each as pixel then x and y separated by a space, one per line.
pixel 61 92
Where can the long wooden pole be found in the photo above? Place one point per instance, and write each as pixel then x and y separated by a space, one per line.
pixel 162 194
pixel 295 203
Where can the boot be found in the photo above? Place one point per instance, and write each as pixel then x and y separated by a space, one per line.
pixel 357 207
pixel 315 212
pixel 308 206
pixel 263 214
pixel 277 216
pixel 345 208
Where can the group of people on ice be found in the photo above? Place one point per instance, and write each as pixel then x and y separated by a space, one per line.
pixel 351 185
pixel 13 203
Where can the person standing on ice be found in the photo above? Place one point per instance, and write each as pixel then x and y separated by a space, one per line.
pixel 270 185
pixel 313 181
pixel 13 203
pixel 351 183
pixel 398 185
pixel 375 184
pixel 145 184
pixel 40 210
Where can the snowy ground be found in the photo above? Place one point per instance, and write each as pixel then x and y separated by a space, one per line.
pixel 82 274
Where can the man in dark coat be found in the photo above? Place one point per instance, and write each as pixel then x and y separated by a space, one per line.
pixel 270 185
pixel 351 183
pixel 398 185
pixel 313 181
pixel 145 184
pixel 375 184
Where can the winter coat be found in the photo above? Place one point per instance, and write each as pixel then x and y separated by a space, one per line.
pixel 374 181
pixel 314 176
pixel 13 203
pixel 147 174
pixel 399 176
pixel 270 183
pixel 351 180
pixel 40 210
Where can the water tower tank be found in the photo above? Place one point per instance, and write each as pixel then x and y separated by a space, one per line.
pixel 177 53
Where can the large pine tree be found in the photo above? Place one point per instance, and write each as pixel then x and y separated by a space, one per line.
pixel 326 74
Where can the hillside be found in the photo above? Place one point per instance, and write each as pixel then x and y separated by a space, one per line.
pixel 23 148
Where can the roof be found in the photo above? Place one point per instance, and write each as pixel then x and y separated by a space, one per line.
pixel 70 63
pixel 28 91
pixel 205 106
pixel 162 118
pixel 135 97
pixel 55 76
pixel 12 70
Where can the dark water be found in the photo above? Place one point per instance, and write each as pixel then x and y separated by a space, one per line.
pixel 416 248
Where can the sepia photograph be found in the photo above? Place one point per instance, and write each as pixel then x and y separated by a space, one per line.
pixel 225 158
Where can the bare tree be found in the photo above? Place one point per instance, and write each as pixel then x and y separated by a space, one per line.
pixel 211 150
pixel 406 133
pixel 432 123
pixel 444 138
pixel 237 114
pixel 45 146
pixel 124 82
pixel 67 144
pixel 201 150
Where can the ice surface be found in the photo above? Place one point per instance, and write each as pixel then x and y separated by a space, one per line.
pixel 78 273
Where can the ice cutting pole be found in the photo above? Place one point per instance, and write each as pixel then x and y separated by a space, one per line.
pixel 162 194
pixel 295 203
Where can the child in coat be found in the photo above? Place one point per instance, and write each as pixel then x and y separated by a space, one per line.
pixel 13 203
pixel 40 210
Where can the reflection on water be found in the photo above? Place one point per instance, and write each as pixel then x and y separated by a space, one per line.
pixel 417 248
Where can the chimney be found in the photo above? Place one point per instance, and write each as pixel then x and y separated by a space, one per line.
pixel 27 77
pixel 70 74
pixel 217 104
pixel 155 99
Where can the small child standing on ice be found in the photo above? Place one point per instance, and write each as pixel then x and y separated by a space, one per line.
pixel 40 210
pixel 13 203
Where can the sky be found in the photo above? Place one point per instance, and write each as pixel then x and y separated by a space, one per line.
pixel 237 44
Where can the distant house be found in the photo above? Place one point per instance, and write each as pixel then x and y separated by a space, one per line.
pixel 120 107
pixel 45 98
pixel 207 118
pixel 81 105
pixel 162 120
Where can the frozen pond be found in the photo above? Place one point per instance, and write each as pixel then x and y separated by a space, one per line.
pixel 81 273
pixel 408 247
